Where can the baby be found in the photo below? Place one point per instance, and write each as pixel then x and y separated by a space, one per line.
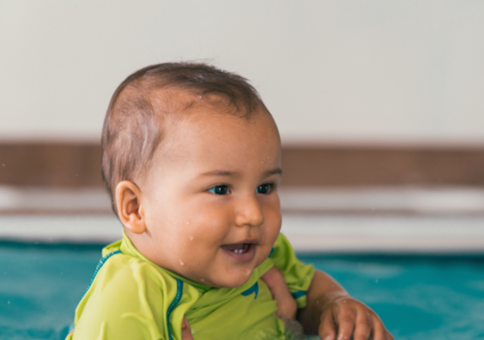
pixel 191 159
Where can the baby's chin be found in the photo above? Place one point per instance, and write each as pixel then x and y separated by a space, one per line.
pixel 231 276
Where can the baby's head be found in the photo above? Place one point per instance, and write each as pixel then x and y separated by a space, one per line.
pixel 191 159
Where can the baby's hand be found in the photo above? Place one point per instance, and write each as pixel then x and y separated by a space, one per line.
pixel 186 331
pixel 286 305
pixel 345 317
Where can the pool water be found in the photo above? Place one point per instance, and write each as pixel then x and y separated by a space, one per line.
pixel 418 297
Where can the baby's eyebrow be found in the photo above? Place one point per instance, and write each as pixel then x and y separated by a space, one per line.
pixel 277 171
pixel 219 173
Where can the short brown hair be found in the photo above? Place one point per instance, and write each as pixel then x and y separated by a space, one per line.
pixel 132 129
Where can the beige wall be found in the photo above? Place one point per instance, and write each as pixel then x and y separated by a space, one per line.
pixel 330 71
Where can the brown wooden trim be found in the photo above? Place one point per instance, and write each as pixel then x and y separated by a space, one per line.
pixel 78 165
pixel 345 166
pixel 50 164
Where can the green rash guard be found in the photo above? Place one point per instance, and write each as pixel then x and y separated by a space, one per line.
pixel 132 298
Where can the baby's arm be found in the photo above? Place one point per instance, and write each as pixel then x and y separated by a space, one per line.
pixel 286 305
pixel 333 314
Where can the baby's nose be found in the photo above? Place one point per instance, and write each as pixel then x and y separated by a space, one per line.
pixel 249 212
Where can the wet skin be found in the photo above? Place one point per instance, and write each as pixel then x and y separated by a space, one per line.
pixel 208 207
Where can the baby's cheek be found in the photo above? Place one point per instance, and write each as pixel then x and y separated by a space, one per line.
pixel 211 226
pixel 272 223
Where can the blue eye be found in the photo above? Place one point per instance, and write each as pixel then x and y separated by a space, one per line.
pixel 264 189
pixel 219 190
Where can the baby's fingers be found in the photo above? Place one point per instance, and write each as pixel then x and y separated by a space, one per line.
pixel 327 328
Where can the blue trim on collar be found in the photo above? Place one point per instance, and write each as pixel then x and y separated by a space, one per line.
pixel 253 289
pixel 298 294
pixel 176 300
pixel 98 268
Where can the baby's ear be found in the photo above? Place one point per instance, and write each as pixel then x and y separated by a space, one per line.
pixel 128 206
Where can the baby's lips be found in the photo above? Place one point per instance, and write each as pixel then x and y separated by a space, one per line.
pixel 234 247
pixel 240 245
pixel 243 251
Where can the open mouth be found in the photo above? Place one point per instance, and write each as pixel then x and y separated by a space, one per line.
pixel 243 251
pixel 238 248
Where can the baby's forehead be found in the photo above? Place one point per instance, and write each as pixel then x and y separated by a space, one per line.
pixel 212 117
pixel 207 141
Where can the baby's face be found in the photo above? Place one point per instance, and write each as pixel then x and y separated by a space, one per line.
pixel 210 202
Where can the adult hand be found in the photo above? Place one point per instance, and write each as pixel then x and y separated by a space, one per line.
pixel 345 318
pixel 286 305
pixel 186 330
pixel 333 314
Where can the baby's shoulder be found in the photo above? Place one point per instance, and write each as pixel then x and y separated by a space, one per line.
pixel 123 273
pixel 123 291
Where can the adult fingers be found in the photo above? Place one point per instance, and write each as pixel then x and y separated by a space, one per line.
pixel 363 326
pixel 186 330
pixel 327 328
pixel 379 331
pixel 346 324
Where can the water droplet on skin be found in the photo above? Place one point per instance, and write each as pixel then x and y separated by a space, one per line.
pixel 199 97
pixel 203 280
pixel 190 238
pixel 247 272
pixel 344 301
pixel 181 263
